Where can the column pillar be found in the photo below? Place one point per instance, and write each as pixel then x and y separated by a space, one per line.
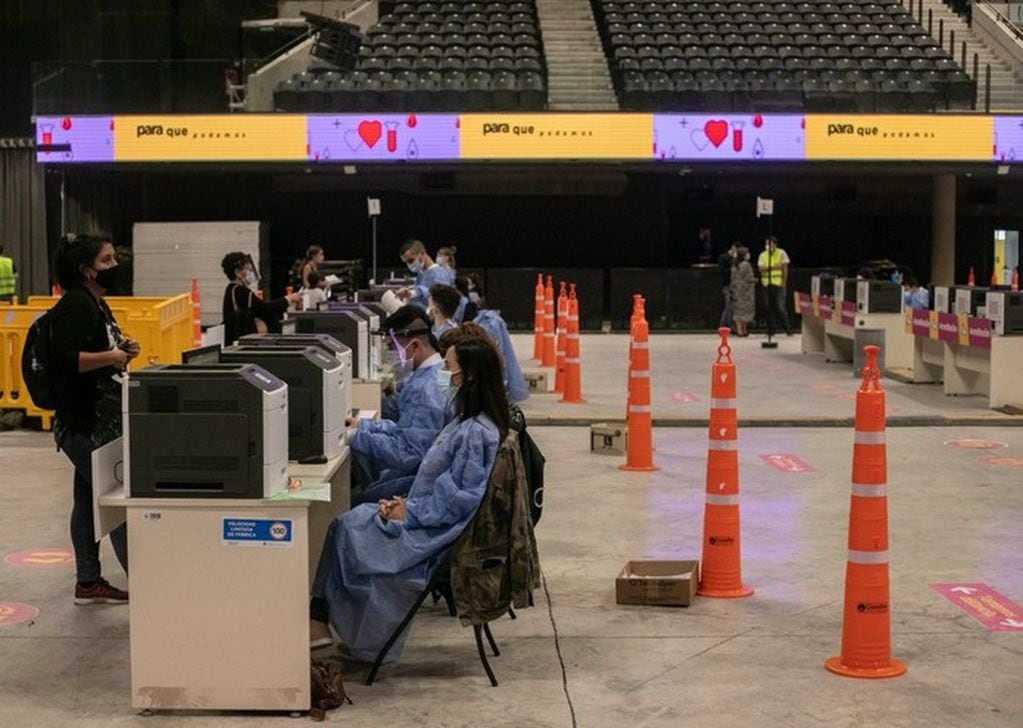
pixel 943 230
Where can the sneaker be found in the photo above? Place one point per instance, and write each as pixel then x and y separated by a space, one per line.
pixel 319 635
pixel 101 592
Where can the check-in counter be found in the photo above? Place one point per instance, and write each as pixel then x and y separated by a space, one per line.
pixel 828 328
pixel 220 588
pixel 974 360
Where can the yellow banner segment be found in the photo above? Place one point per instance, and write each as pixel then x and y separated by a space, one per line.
pixel 910 137
pixel 557 136
pixel 229 137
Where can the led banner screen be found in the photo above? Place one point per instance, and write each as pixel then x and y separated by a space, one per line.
pixel 411 138
pixel 910 137
pixel 728 137
pixel 556 136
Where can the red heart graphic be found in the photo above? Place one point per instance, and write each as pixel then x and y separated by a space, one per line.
pixel 716 131
pixel 370 132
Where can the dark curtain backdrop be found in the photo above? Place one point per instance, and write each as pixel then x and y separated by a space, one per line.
pixel 23 217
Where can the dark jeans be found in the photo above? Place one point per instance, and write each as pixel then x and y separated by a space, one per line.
pixel 777 311
pixel 78 448
pixel 727 321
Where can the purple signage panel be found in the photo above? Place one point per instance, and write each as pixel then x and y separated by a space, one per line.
pixel 730 136
pixel 921 323
pixel 382 137
pixel 74 139
pixel 1009 139
pixel 948 327
pixel 979 330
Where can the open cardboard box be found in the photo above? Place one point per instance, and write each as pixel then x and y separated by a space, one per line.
pixel 666 583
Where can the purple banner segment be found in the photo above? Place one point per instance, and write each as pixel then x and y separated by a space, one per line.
pixel 1009 139
pixel 87 138
pixel 739 136
pixel 383 137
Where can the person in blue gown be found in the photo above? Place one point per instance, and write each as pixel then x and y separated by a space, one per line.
pixel 386 453
pixel 377 558
pixel 427 272
pixel 447 304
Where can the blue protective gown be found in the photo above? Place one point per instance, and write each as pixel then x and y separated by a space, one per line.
pixel 425 279
pixel 386 453
pixel 514 380
pixel 371 571
pixel 438 330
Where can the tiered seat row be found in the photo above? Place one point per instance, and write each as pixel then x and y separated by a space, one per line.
pixel 869 55
pixel 429 56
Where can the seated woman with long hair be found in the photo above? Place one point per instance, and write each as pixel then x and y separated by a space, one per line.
pixel 378 558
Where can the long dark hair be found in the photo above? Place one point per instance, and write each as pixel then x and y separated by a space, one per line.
pixel 482 390
pixel 74 251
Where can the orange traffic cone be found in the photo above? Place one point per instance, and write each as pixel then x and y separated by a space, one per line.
pixel 549 356
pixel 994 278
pixel 538 319
pixel 721 567
pixel 639 418
pixel 559 352
pixel 638 312
pixel 1015 279
pixel 971 280
pixel 866 624
pixel 573 364
pixel 196 315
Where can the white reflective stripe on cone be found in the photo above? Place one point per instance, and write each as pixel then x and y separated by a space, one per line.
pixel 722 404
pixel 640 345
pixel 870 491
pixel 639 409
pixel 722 445
pixel 640 374
pixel 569 360
pixel 868 557
pixel 869 438
pixel 722 500
pixel 572 336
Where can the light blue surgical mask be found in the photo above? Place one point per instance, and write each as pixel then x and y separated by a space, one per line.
pixel 416 266
pixel 444 378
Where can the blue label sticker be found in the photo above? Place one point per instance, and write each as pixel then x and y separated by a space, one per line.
pixel 257 532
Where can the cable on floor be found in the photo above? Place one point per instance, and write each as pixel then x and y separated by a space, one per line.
pixel 557 649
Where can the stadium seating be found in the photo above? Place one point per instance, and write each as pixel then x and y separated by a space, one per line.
pixel 767 55
pixel 434 56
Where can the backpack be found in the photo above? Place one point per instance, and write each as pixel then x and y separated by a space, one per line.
pixel 37 364
pixel 327 687
pixel 533 460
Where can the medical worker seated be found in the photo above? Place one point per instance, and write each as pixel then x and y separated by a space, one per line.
pixel 378 558
pixel 448 308
pixel 386 453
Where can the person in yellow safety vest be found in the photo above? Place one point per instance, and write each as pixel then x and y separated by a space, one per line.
pixel 773 265
pixel 8 274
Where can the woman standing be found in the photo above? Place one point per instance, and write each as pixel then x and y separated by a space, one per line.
pixel 89 353
pixel 744 289
pixel 446 259
pixel 314 258
pixel 244 312
pixel 377 558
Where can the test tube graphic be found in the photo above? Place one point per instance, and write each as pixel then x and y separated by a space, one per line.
pixel 392 135
pixel 47 136
pixel 737 135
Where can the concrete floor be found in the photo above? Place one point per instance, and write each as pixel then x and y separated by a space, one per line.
pixel 753 662
pixel 780 386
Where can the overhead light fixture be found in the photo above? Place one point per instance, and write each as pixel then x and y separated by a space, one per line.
pixel 1003 169
pixel 349 169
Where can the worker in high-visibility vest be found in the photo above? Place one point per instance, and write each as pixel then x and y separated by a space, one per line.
pixel 8 274
pixel 773 265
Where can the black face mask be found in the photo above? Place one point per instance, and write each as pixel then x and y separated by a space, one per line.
pixel 106 279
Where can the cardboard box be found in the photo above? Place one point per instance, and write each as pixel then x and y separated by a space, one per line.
pixel 609 438
pixel 665 583
pixel 536 381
